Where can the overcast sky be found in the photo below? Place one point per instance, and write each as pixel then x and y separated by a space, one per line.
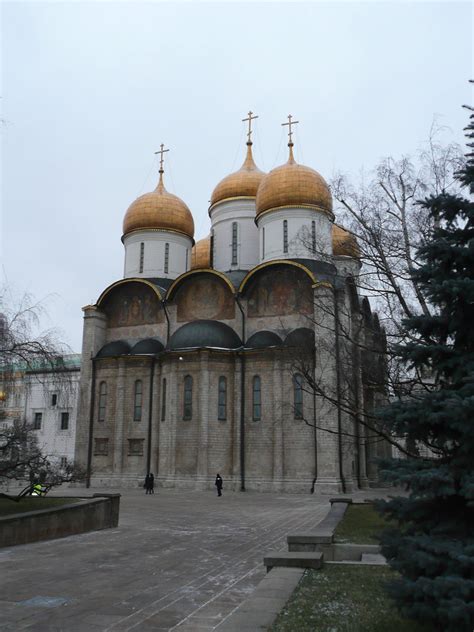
pixel 90 90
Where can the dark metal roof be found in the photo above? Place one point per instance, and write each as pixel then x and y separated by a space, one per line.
pixel 301 337
pixel 236 276
pixel 322 269
pixel 115 348
pixel 161 283
pixel 147 346
pixel 262 339
pixel 205 333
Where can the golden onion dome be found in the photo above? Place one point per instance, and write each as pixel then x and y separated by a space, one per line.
pixel 344 243
pixel 241 184
pixel 159 210
pixel 201 254
pixel 294 185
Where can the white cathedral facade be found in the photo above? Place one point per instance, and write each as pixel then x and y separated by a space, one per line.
pixel 203 358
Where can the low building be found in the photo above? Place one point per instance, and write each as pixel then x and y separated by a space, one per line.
pixel 46 397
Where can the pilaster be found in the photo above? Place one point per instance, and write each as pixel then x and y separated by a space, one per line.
pixel 120 440
pixel 203 417
pixel 329 449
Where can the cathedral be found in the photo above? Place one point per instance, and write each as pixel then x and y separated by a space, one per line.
pixel 226 355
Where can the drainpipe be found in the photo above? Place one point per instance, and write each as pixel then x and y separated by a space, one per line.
pixel 314 425
pixel 356 365
pixel 91 425
pixel 338 389
pixel 242 401
pixel 163 302
pixel 150 412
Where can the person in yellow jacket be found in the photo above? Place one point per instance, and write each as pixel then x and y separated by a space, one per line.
pixel 37 490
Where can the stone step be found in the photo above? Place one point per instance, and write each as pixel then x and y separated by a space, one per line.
pixel 372 558
pixel 294 560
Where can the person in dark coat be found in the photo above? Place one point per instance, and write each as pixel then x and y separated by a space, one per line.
pixel 219 483
pixel 151 483
pixel 146 484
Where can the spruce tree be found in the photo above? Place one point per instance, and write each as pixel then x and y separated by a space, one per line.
pixel 432 544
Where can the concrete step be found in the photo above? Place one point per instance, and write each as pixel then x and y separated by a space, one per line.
pixel 262 607
pixel 372 558
pixel 294 560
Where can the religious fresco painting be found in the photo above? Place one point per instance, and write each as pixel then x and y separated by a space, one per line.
pixel 278 292
pixel 133 304
pixel 205 297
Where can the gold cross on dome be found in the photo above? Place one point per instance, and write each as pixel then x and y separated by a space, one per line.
pixel 161 152
pixel 249 118
pixel 290 123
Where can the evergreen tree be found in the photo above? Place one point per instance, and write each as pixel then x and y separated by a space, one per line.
pixel 432 546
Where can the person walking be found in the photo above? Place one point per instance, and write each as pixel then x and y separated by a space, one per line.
pixel 146 484
pixel 151 483
pixel 219 484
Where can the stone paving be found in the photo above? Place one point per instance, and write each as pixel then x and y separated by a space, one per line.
pixel 178 561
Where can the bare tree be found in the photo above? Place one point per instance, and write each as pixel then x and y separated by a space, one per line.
pixel 381 211
pixel 28 351
pixel 361 316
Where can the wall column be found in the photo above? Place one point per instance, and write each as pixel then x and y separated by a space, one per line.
pixel 278 453
pixel 203 420
pixel 236 428
pixel 95 323
pixel 119 421
pixel 329 453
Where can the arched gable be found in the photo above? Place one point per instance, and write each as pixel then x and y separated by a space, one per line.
pixel 131 302
pixel 278 288
pixel 202 295
pixel 269 264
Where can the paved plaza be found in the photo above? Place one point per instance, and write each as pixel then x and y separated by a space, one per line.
pixel 179 560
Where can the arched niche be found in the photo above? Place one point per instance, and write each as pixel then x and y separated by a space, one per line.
pixel 278 289
pixel 202 295
pixel 303 337
pixel 131 302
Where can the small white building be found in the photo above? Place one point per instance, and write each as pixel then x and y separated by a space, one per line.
pixel 47 398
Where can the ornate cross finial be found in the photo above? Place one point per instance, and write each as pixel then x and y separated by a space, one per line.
pixel 249 118
pixel 290 133
pixel 161 152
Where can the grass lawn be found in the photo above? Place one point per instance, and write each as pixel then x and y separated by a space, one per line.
pixel 360 525
pixel 31 503
pixel 343 599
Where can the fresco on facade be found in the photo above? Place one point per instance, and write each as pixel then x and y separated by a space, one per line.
pixel 204 297
pixel 278 292
pixel 132 304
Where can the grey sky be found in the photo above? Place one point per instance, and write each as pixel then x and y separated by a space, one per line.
pixel 90 90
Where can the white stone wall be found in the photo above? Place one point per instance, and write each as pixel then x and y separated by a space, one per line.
pixel 179 258
pixel 39 390
pixel 347 266
pixel 31 393
pixel 223 215
pixel 300 243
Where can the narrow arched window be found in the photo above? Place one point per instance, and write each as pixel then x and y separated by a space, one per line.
pixel 298 396
pixel 313 236
pixel 263 243
pixel 187 259
pixel 167 257
pixel 256 398
pixel 102 400
pixel 142 256
pixel 211 250
pixel 222 399
pixel 188 398
pixel 285 235
pixel 234 243
pixel 163 400
pixel 137 403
